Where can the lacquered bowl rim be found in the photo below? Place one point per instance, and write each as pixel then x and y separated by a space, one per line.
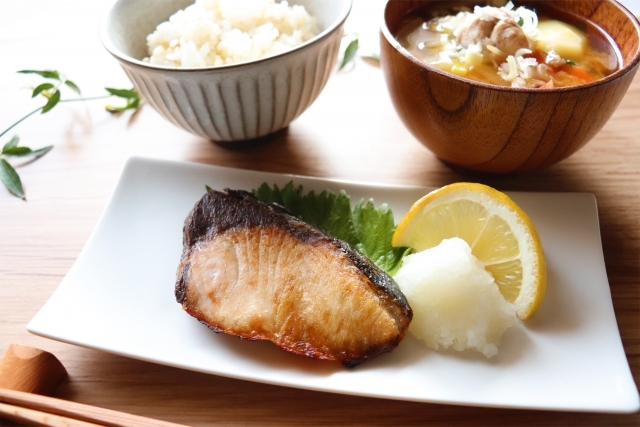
pixel 626 68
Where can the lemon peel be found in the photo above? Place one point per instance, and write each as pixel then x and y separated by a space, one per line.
pixel 499 232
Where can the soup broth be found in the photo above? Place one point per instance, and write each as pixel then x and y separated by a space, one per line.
pixel 509 46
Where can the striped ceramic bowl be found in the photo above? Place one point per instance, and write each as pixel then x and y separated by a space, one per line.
pixel 232 102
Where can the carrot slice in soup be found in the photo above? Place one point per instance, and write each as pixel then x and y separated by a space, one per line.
pixel 578 72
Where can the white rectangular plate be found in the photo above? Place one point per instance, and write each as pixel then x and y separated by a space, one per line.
pixel 119 297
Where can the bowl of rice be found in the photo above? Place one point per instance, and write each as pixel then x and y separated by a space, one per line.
pixel 507 87
pixel 227 70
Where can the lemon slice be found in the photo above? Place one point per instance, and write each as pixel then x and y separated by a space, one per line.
pixel 499 233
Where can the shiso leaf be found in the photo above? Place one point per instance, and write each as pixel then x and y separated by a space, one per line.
pixel 10 179
pixel 367 228
pixel 374 229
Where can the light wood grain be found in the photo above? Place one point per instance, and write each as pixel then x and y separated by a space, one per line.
pixel 350 132
pixel 27 370
pixel 51 411
pixel 38 418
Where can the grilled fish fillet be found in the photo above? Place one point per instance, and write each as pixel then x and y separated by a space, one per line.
pixel 252 270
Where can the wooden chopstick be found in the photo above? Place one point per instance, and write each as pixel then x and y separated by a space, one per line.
pixel 38 406
pixel 37 418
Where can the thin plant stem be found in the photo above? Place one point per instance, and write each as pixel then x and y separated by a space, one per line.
pixel 20 121
pixel 40 108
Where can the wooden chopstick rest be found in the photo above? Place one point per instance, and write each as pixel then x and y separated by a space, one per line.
pixel 30 370
pixel 27 370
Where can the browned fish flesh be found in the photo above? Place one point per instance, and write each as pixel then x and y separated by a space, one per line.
pixel 252 270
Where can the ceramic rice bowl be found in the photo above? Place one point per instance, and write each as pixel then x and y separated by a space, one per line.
pixel 228 103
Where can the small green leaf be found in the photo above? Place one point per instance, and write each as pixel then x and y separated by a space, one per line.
pixel 41 88
pixel 16 151
pixel 26 151
pixel 520 22
pixel 349 53
pixel 375 228
pixel 132 97
pixel 131 105
pixel 13 142
pixel 366 228
pixel 570 62
pixel 41 151
pixel 73 86
pixel 55 98
pixel 123 93
pixel 49 74
pixel 10 179
pixel 207 188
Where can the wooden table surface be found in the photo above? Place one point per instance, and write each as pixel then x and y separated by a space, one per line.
pixel 350 132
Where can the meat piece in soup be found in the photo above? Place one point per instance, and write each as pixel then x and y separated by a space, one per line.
pixel 509 46
pixel 508 37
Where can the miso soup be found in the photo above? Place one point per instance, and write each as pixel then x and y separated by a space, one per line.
pixel 509 46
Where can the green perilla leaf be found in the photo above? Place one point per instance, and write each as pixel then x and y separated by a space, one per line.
pixel 366 228
pixel 374 229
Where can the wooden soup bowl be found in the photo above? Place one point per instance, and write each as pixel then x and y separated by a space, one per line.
pixel 497 129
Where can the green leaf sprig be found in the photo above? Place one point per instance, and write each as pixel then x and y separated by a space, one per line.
pixel 365 227
pixel 8 174
pixel 130 95
pixel 350 51
pixel 50 89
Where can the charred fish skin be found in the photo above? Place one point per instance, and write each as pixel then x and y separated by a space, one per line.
pixel 252 270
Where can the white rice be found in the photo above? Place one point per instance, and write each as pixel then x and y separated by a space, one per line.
pixel 221 32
